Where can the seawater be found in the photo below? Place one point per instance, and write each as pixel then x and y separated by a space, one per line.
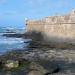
pixel 8 44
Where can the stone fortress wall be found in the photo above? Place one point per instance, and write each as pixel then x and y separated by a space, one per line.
pixel 54 26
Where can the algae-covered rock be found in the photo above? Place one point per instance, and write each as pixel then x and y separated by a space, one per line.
pixel 11 64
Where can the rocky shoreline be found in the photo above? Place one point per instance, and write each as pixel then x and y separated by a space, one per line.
pixel 39 58
pixel 63 61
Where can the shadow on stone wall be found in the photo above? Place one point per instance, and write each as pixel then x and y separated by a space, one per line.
pixel 38 41
pixel 35 36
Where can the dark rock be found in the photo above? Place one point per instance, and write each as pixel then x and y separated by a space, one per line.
pixel 50 66
pixel 55 71
pixel 13 35
pixel 43 67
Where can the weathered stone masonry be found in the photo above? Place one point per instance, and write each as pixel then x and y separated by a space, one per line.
pixel 55 26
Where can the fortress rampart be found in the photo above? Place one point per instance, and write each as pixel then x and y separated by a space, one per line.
pixel 54 26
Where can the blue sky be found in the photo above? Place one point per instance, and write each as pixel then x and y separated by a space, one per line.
pixel 14 12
